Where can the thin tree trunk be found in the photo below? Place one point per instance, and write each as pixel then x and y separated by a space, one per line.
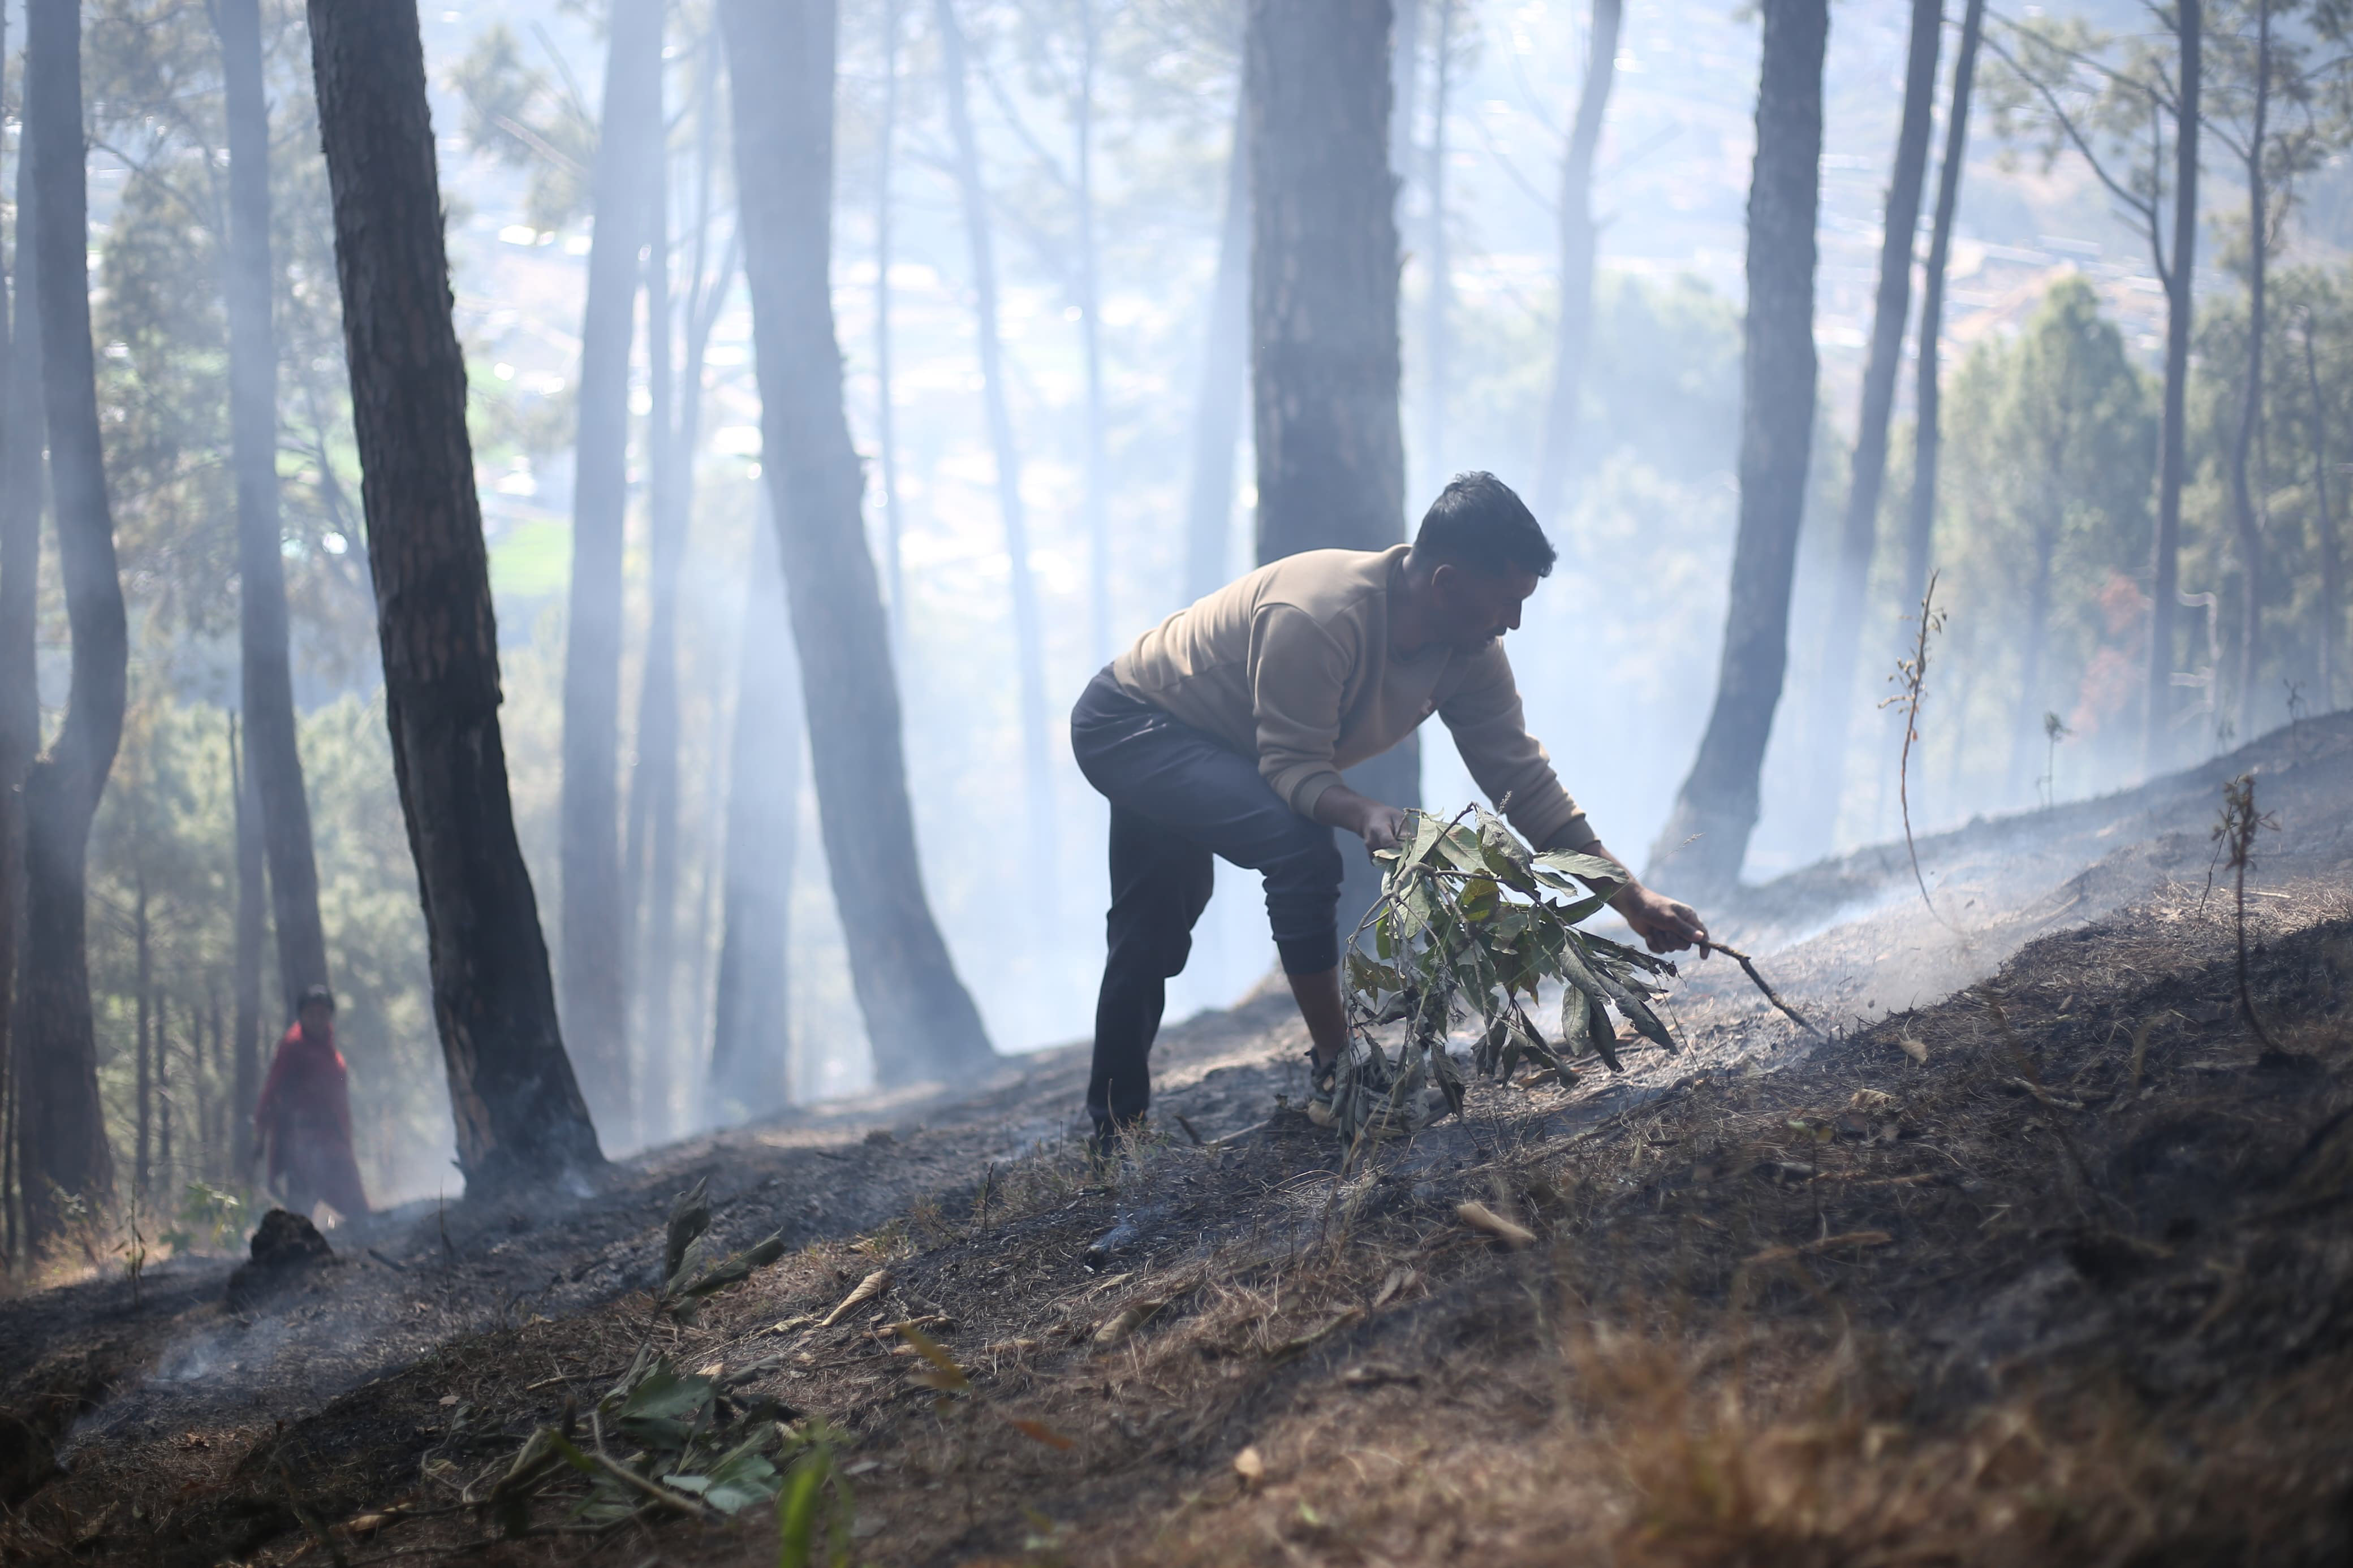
pixel 1029 631
pixel 64 1133
pixel 1224 376
pixel 162 1105
pixel 2332 572
pixel 142 1165
pixel 2243 516
pixel 1438 302
pixel 252 911
pixel 271 746
pixel 518 1110
pixel 1091 329
pixel 895 524
pixel 1859 531
pixel 23 437
pixel 2164 567
pixel 921 1020
pixel 1323 314
pixel 651 863
pixel 1928 436
pixel 1572 325
pixel 595 954
pixel 751 1040
pixel 1718 801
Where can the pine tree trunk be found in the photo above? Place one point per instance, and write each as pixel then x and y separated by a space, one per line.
pixel 144 1143
pixel 1928 436
pixel 1028 630
pixel 886 435
pixel 751 1039
pixel 271 748
pixel 1437 303
pixel 592 930
pixel 1859 531
pixel 651 863
pixel 921 1020
pixel 1323 314
pixel 2164 567
pixel 2331 640
pixel 2244 517
pixel 1574 325
pixel 251 912
pixel 64 1127
pixel 1225 374
pixel 518 1110
pixel 1090 345
pixel 23 437
pixel 1718 801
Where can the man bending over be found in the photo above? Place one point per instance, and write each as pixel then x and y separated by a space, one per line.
pixel 1222 732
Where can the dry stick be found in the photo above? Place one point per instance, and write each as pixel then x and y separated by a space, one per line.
pixel 1748 965
pixel 1912 674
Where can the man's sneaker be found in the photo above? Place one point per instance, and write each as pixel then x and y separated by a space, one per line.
pixel 1359 1100
pixel 1322 1083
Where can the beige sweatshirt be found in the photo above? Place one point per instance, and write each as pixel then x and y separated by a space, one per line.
pixel 1291 664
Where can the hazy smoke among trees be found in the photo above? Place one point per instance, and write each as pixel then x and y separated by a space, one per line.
pixel 689 510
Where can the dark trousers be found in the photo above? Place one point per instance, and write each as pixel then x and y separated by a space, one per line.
pixel 1178 797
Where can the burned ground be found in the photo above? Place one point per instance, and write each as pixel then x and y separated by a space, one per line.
pixel 2054 1268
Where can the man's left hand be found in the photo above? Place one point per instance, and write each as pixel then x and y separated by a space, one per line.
pixel 1665 924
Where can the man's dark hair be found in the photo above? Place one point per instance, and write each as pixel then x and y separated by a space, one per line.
pixel 1479 522
pixel 318 993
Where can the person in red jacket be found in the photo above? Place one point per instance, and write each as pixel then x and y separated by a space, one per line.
pixel 303 1121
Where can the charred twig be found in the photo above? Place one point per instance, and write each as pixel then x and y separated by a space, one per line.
pixel 2234 836
pixel 1749 967
pixel 1912 675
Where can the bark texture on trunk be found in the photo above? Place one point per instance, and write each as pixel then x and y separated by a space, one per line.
pixel 2245 517
pixel 651 864
pixel 1438 302
pixel 2331 641
pixel 1859 530
pixel 1718 800
pixel 1574 325
pixel 518 1112
pixel 752 1034
pixel 1091 341
pixel 1028 626
pixel 920 1018
pixel 1928 436
pixel 594 960
pixel 23 436
pixel 267 684
pixel 1324 313
pixel 250 917
pixel 1224 372
pixel 886 433
pixel 63 1131
pixel 2172 460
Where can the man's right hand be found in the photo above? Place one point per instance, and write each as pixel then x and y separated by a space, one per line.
pixel 1378 824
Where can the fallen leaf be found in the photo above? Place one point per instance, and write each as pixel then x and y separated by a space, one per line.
pixel 1479 1217
pixel 1872 1100
pixel 447 1400
pixel 1040 1431
pixel 1917 1049
pixel 873 1285
pixel 1127 1320
pixel 789 1325
pixel 713 1370
pixel 1248 1466
pixel 1397 1280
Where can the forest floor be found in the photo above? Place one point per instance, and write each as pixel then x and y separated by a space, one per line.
pixel 2042 1257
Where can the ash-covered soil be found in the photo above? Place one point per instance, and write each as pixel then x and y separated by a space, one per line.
pixel 2049 1268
